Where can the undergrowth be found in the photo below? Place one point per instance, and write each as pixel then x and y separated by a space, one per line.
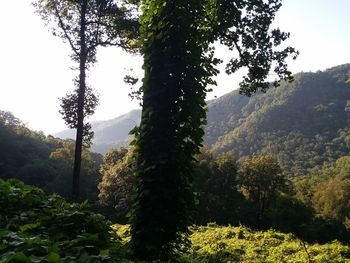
pixel 36 228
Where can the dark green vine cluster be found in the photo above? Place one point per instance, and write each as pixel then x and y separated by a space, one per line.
pixel 174 87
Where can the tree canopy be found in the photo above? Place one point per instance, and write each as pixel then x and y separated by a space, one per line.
pixel 261 179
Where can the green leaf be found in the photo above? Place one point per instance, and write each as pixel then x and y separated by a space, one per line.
pixel 104 252
pixel 53 257
pixel 19 258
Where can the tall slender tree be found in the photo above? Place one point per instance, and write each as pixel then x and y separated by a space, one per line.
pixel 177 44
pixel 86 25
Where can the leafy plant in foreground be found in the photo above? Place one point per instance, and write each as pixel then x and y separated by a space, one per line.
pixel 35 227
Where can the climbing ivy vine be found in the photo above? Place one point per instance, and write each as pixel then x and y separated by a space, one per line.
pixel 177 38
pixel 178 65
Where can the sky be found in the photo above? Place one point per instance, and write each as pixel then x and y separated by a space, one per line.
pixel 35 65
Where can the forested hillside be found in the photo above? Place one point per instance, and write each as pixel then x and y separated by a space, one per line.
pixel 316 205
pixel 43 161
pixel 303 124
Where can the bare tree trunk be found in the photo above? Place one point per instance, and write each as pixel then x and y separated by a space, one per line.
pixel 81 96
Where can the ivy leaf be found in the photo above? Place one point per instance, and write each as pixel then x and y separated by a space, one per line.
pixel 53 257
pixel 19 258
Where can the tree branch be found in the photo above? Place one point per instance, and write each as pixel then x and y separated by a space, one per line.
pixel 62 25
pixel 238 48
pixel 97 32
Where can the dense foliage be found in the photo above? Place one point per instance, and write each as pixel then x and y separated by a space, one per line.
pixel 63 159
pixel 314 207
pixel 327 190
pixel 302 124
pixel 174 88
pixel 215 186
pixel 230 193
pixel 117 187
pixel 228 244
pixel 23 150
pixel 38 228
pixel 261 181
pixel 35 227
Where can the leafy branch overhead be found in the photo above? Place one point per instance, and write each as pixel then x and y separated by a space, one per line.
pixel 108 23
pixel 246 27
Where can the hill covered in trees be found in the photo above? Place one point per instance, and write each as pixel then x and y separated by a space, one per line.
pixel 44 161
pixel 315 205
pixel 302 124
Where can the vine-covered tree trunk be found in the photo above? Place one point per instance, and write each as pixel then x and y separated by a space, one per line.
pixel 80 110
pixel 171 127
pixel 177 38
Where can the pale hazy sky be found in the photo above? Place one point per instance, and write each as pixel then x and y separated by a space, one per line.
pixel 35 66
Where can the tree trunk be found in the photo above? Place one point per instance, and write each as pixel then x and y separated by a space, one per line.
pixel 81 96
pixel 171 131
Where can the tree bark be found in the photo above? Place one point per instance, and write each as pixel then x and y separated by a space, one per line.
pixel 81 96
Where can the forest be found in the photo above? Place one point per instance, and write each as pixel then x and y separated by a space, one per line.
pixel 261 174
pixel 289 210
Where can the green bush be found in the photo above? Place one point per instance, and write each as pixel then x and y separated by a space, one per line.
pixel 35 227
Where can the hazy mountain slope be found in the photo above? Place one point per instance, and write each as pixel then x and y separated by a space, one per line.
pixel 109 133
pixel 302 124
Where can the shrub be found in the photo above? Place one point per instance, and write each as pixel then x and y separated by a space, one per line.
pixel 35 227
